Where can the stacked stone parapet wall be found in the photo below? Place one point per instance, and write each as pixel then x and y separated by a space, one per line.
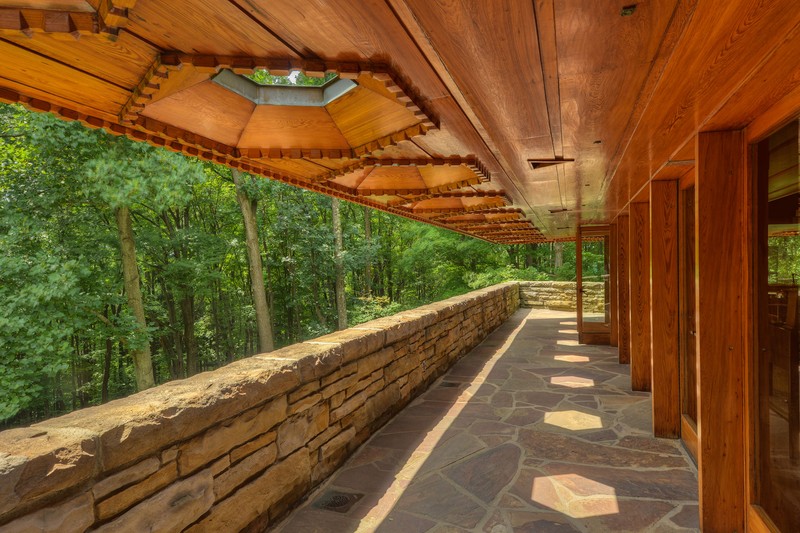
pixel 235 448
pixel 561 295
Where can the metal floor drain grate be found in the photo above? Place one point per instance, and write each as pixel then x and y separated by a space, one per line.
pixel 449 384
pixel 339 502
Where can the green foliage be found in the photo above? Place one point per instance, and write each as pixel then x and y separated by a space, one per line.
pixel 65 328
pixel 296 78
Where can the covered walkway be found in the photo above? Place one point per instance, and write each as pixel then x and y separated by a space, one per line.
pixel 528 432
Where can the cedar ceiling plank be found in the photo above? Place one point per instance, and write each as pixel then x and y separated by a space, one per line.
pixel 491 71
pixel 546 31
pixel 604 64
pixel 724 45
pixel 34 92
pixel 178 80
pixel 364 116
pixel 31 69
pixel 292 127
pixel 510 65
pixel 122 62
pixel 437 176
pixel 206 109
pixel 50 5
pixel 751 100
pixel 401 178
pixel 203 27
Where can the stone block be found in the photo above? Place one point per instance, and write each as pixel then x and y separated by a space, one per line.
pixel 253 445
pixel 127 477
pixel 348 407
pixel 254 499
pixel 372 362
pixel 309 360
pixel 338 386
pixel 134 427
pixel 298 430
pixel 125 499
pixel 73 516
pixel 204 448
pixel 171 510
pixel 344 371
pixel 355 342
pixel 236 475
pixel 309 388
pixel 305 404
pixel 36 462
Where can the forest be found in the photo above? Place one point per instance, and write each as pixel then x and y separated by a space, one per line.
pixel 123 265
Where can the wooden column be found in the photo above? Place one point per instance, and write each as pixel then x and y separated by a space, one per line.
pixel 623 291
pixel 664 335
pixel 639 261
pixel 613 296
pixel 723 243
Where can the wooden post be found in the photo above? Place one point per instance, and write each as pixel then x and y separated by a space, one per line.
pixel 639 260
pixel 612 271
pixel 723 242
pixel 623 290
pixel 664 336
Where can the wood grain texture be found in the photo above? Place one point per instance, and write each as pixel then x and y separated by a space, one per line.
pixel 664 337
pixel 613 295
pixel 623 289
pixel 721 276
pixel 639 261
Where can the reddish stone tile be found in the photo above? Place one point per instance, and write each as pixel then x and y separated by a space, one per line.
pixel 688 517
pixel 539 398
pixel 487 473
pixel 400 522
pixel 622 515
pixel 524 416
pixel 564 448
pixel 439 500
pixel 649 444
pixel 502 399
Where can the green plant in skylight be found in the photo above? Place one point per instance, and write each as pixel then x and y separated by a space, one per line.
pixel 294 79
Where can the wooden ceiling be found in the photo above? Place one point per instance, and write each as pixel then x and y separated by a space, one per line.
pixel 445 104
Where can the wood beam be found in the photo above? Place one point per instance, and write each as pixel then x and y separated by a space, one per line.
pixel 664 337
pixel 723 242
pixel 639 261
pixel 623 290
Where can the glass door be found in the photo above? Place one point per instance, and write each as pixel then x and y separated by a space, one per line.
pixel 777 347
pixel 594 285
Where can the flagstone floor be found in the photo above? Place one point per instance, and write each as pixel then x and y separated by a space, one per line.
pixel 529 432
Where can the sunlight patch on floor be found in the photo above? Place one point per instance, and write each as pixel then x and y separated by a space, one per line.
pixel 572 358
pixel 573 420
pixel 567 342
pixel 573 382
pixel 554 492
pixel 568 323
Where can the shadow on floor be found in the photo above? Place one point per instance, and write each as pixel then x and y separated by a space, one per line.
pixel 528 432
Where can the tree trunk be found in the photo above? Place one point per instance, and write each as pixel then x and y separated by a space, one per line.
pixel 558 248
pixel 189 339
pixel 142 361
pixel 368 240
pixel 341 301
pixel 263 319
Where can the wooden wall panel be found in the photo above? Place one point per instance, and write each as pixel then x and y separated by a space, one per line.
pixel 639 261
pixel 722 266
pixel 623 291
pixel 664 335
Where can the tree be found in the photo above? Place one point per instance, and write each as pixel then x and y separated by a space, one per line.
pixel 249 208
pixel 142 362
pixel 341 298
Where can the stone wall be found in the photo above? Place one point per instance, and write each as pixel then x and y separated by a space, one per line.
pixel 234 448
pixel 561 295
